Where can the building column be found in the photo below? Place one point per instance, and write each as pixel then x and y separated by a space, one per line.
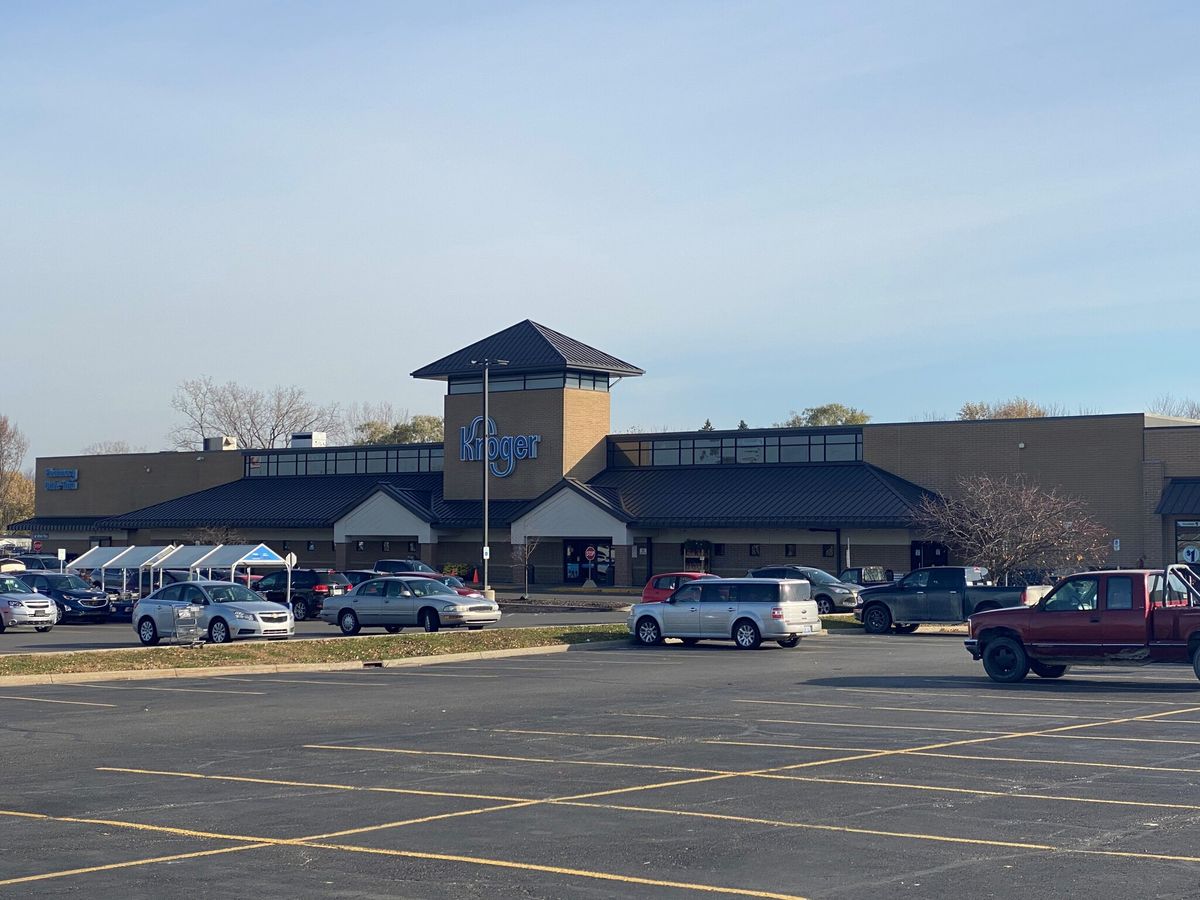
pixel 623 560
pixel 340 550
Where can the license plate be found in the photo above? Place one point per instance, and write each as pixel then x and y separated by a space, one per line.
pixel 40 615
pixel 807 629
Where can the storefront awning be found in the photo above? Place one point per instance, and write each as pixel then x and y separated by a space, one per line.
pixel 1181 497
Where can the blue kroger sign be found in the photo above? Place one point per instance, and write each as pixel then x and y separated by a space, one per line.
pixel 502 451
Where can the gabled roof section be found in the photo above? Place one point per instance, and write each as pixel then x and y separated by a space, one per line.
pixel 287 502
pixel 56 523
pixel 832 495
pixel 528 347
pixel 606 499
pixel 1181 497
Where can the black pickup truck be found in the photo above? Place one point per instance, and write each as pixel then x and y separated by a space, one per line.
pixel 935 594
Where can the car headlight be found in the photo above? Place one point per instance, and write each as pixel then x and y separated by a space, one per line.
pixel 455 608
pixel 238 614
pixel 16 604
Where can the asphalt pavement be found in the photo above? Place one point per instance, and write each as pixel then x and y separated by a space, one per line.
pixel 112 635
pixel 849 767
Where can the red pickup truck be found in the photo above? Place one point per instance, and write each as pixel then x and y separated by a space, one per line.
pixel 1123 617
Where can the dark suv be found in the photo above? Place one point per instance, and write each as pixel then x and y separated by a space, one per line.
pixel 829 593
pixel 403 566
pixel 310 587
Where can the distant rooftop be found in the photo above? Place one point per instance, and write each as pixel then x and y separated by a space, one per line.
pixel 527 347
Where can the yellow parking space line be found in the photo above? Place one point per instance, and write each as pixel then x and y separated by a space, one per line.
pixel 365 682
pixel 938 729
pixel 142 826
pixel 917 709
pixel 1131 740
pixel 108 867
pixel 1020 697
pixel 725 743
pixel 527 759
pixel 1033 760
pixel 311 784
pixel 933 788
pixel 67 702
pixel 558 870
pixel 626 737
pixel 172 690
pixel 420 820
pixel 413 671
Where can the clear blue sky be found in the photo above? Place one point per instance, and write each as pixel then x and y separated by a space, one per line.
pixel 900 206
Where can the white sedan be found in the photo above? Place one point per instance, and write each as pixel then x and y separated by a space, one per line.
pixel 225 611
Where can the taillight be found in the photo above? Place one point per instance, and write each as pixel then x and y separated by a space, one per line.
pixel 321 589
pixel 777 612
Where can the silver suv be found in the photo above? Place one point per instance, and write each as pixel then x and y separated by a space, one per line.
pixel 746 611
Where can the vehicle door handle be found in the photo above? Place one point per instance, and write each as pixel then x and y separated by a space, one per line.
pixel 922 593
pixel 1093 621
pixel 691 609
pixel 733 609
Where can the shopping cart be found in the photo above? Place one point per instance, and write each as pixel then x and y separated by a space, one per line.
pixel 186 631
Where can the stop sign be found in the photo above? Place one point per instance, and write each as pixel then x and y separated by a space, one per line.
pixel 37 547
pixel 589 554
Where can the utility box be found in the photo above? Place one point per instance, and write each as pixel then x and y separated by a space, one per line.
pixel 308 439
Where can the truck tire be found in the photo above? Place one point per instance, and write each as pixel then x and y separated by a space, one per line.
pixel 877 619
pixel 1005 660
pixel 1196 661
pixel 1041 670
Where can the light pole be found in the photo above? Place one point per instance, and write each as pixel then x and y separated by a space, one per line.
pixel 485 459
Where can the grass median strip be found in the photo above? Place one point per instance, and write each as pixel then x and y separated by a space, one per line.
pixel 332 650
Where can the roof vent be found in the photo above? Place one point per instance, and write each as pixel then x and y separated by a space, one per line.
pixel 222 442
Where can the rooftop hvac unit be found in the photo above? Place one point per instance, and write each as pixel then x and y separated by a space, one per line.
pixel 308 439
pixel 223 442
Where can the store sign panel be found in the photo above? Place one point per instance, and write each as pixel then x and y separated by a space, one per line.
pixel 503 451
pixel 62 480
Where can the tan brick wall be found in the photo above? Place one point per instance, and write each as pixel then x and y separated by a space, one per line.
pixel 1178 449
pixel 1097 458
pixel 572 424
pixel 120 483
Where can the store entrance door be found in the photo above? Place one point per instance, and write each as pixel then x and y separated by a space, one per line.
pixel 579 564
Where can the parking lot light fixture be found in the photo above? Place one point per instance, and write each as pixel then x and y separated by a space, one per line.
pixel 484 459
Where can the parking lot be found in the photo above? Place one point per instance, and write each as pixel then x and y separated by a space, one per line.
pixel 113 634
pixel 849 767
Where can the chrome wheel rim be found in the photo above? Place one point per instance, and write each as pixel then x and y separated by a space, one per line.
pixel 348 623
pixel 648 632
pixel 147 632
pixel 299 610
pixel 745 635
pixel 824 607
pixel 220 634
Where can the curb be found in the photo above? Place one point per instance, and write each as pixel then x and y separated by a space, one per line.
pixel 283 668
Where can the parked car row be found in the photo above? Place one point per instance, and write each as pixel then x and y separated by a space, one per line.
pixel 828 592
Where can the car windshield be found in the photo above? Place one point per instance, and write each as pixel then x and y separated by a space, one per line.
pixel 436 587
pixel 819 577
pixel 418 566
pixel 10 585
pixel 231 593
pixel 70 583
pixel 453 581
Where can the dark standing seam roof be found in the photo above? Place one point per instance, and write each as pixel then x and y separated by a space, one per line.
pixel 287 502
pixel 56 523
pixel 813 496
pixel 1181 497
pixel 528 347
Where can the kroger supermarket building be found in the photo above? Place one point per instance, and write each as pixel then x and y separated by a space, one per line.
pixel 723 501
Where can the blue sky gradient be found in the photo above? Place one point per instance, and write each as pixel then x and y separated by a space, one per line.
pixel 765 205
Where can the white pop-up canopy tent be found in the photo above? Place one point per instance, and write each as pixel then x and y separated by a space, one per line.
pixel 122 559
pixel 203 560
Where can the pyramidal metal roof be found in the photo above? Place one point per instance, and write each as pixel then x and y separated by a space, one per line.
pixel 527 347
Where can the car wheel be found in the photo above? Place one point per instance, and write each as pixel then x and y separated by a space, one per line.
pixel 793 641
pixel 62 613
pixel 349 622
pixel 647 631
pixel 218 632
pixel 392 629
pixel 43 628
pixel 824 605
pixel 1005 661
pixel 746 635
pixel 1041 670
pixel 430 620
pixel 300 609
pixel 147 631
pixel 877 619
pixel 905 629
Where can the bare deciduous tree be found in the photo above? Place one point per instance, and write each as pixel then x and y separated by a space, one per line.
pixel 522 555
pixel 211 535
pixel 101 448
pixel 16 489
pixel 258 419
pixel 1010 524
pixel 1184 408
